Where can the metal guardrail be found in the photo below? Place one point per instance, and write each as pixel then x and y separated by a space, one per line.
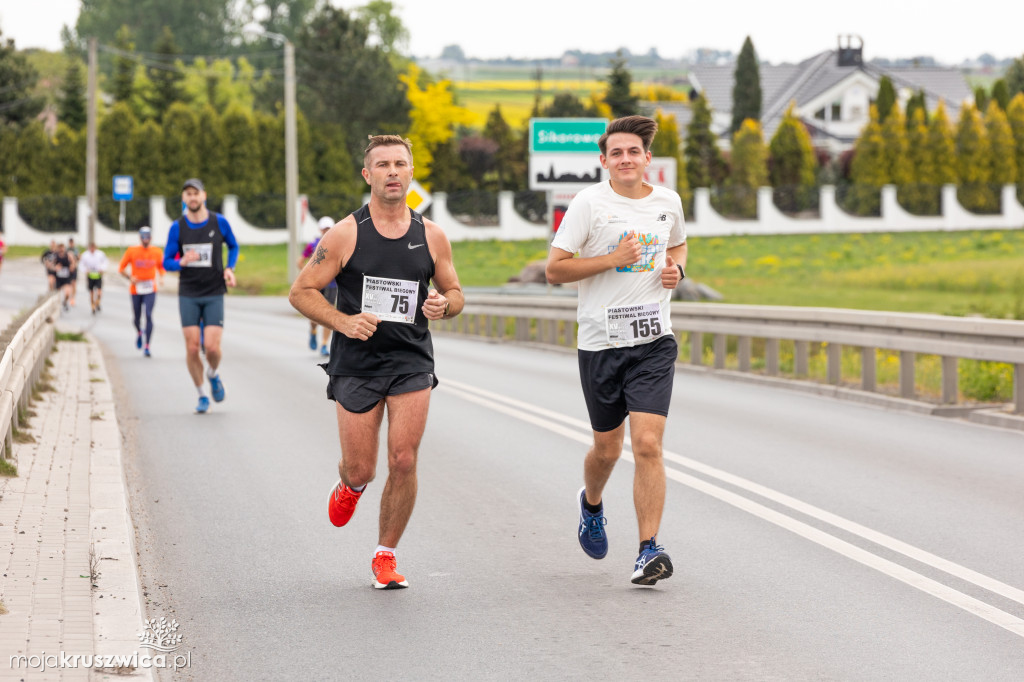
pixel 551 320
pixel 21 366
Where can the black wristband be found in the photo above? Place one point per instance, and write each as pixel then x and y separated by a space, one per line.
pixel 682 275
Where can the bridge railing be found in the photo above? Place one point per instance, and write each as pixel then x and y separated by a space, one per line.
pixel 21 365
pixel 552 320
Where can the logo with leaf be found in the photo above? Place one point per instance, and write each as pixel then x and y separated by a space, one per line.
pixel 160 635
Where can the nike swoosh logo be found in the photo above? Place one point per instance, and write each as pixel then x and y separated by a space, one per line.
pixel 414 246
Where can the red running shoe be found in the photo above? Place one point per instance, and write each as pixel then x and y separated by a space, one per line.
pixel 342 504
pixel 384 575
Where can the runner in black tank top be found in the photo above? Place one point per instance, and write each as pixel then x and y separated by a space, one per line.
pixel 396 347
pixel 381 355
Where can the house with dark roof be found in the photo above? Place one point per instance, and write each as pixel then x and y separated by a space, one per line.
pixel 833 92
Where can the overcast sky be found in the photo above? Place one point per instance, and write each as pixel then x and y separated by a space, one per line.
pixel 788 30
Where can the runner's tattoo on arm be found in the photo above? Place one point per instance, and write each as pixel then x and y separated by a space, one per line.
pixel 321 253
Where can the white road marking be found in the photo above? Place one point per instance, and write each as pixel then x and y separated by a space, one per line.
pixel 555 422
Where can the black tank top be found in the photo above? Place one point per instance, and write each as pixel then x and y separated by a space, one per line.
pixel 396 347
pixel 205 277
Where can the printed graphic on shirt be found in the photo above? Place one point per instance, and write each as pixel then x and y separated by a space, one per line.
pixel 650 247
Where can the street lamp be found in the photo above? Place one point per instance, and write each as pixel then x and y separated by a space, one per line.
pixel 291 151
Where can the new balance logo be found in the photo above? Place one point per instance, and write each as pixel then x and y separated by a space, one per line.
pixel 662 218
pixel 414 246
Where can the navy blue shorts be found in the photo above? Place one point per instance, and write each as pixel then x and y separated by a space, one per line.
pixel 361 394
pixel 206 309
pixel 617 381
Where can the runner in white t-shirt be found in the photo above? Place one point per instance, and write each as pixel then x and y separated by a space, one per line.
pixel 624 241
pixel 95 263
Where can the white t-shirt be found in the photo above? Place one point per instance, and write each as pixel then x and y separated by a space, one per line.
pixel 93 261
pixel 596 220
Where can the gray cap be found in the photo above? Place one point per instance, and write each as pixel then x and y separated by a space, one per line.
pixel 145 231
pixel 195 183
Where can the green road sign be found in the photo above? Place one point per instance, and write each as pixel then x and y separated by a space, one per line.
pixel 566 134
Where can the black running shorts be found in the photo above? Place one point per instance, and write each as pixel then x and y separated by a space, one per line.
pixel 361 394
pixel 617 381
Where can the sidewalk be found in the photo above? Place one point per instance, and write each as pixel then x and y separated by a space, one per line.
pixel 68 578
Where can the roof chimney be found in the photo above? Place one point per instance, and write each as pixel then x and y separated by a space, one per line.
pixel 850 55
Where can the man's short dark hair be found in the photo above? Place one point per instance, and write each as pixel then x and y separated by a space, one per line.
pixel 641 126
pixel 386 141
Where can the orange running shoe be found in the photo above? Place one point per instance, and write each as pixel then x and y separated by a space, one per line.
pixel 384 575
pixel 342 504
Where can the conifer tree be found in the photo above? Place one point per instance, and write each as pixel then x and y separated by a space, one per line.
pixel 167 75
pixel 211 164
pixel 1001 94
pixel 30 177
pixel 792 162
pixel 180 128
pixel 869 170
pixel 667 143
pixel 897 160
pixel 149 174
pixel 115 138
pixel 941 150
pixel 242 172
pixel 746 89
pixel 974 163
pixel 67 161
pixel 1015 117
pixel 619 96
pixel 922 195
pixel 749 170
pixel 510 167
pixel 980 98
pixel 705 166
pixel 271 151
pixel 917 102
pixel 886 98
pixel 1015 77
pixel 124 66
pixel 71 107
pixel 1001 146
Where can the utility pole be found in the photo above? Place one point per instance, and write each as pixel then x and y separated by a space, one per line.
pixel 291 160
pixel 90 145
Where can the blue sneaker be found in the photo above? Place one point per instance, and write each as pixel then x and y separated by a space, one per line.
pixel 652 565
pixel 145 351
pixel 217 388
pixel 312 341
pixel 324 350
pixel 203 406
pixel 138 340
pixel 593 539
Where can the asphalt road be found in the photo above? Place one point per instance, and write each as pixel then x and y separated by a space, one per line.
pixel 813 539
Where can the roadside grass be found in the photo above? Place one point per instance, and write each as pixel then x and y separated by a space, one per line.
pixel 7 470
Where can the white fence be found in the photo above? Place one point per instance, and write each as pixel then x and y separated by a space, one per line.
pixel 706 222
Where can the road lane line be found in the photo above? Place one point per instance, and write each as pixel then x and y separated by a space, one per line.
pixel 544 419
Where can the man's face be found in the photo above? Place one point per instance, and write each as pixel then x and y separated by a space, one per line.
pixel 146 239
pixel 388 172
pixel 92 248
pixel 625 158
pixel 193 198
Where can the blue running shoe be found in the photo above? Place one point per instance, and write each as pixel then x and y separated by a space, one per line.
pixel 593 539
pixel 652 565
pixel 145 351
pixel 138 340
pixel 217 388
pixel 203 406
pixel 312 341
pixel 324 350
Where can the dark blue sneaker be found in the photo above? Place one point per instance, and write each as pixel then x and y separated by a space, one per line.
pixel 312 341
pixel 145 351
pixel 138 340
pixel 217 388
pixel 324 350
pixel 203 406
pixel 593 539
pixel 652 565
